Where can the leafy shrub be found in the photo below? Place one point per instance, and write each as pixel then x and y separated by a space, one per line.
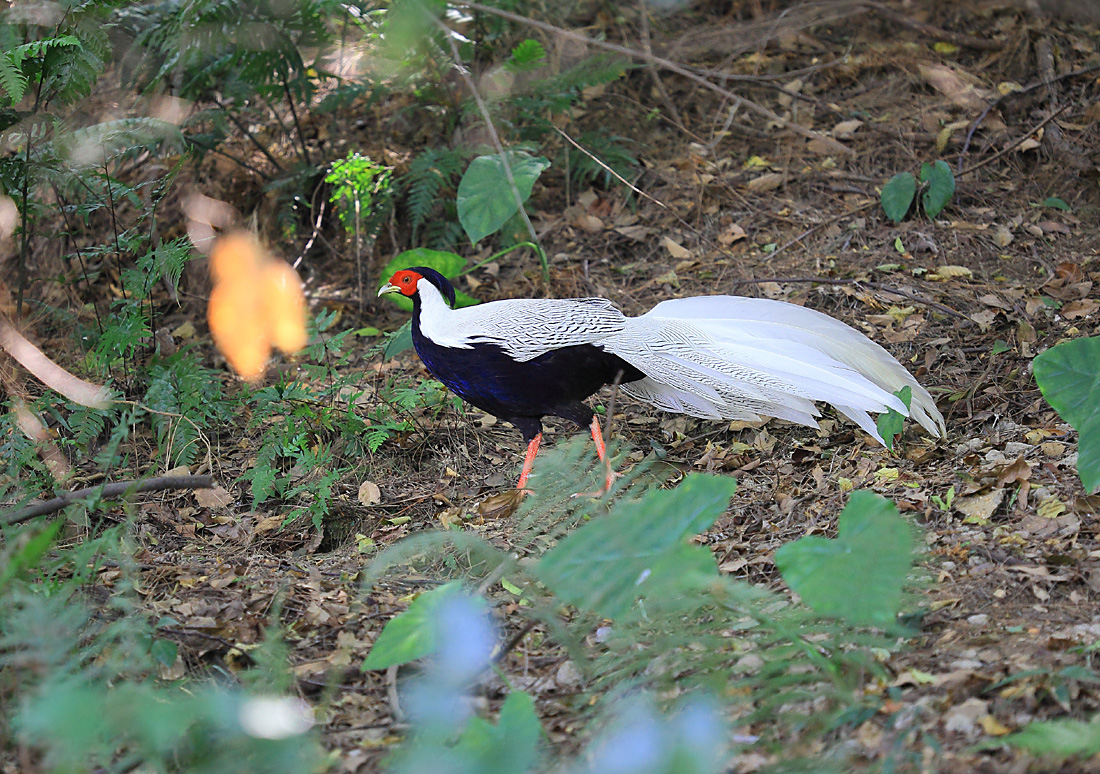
pixel 670 624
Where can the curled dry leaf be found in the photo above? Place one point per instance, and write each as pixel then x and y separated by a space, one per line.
pixel 767 182
pixel 675 249
pixel 953 272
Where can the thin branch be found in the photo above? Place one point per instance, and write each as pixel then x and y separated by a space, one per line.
pixel 611 171
pixel 1014 144
pixel 158 484
pixel 932 31
pixel 263 175
pixel 873 285
pixel 665 63
pixel 996 103
pixel 297 123
pixel 491 128
pixel 251 137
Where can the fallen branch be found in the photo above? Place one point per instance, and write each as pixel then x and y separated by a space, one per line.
pixel 996 103
pixel 668 64
pixel 158 484
pixel 872 285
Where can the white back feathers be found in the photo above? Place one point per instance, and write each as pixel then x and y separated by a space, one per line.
pixel 716 357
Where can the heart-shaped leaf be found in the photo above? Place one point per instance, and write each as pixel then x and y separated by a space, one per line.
pixel 897 195
pixel 1069 376
pixel 941 187
pixel 485 198
pixel 857 577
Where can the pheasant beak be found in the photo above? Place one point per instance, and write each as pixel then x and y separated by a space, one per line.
pixel 389 287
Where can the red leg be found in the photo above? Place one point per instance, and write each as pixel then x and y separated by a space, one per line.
pixel 601 452
pixel 529 460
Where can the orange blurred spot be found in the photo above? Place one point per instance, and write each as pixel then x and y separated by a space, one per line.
pixel 257 303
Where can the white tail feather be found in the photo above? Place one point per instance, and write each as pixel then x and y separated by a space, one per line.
pixel 739 358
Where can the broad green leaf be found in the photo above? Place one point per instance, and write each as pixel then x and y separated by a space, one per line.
pixel 941 187
pixel 485 199
pixel 891 423
pixel 1058 737
pixel 857 577
pixel 1069 376
pixel 509 747
pixel 447 264
pixel 1056 203
pixel 410 635
pixel 897 195
pixel 640 549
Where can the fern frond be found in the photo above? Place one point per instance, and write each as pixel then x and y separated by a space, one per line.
pixel 12 79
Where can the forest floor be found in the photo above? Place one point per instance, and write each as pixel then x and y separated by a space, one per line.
pixel 737 203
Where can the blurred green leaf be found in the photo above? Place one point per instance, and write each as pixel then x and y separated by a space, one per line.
pixel 411 635
pixel 1057 737
pixel 1056 203
pixel 640 547
pixel 1069 376
pixel 509 747
pixel 857 577
pixel 30 553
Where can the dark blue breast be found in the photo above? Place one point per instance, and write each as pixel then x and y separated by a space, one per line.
pixel 553 383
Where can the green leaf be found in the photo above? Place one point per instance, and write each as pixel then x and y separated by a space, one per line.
pixel 640 549
pixel 859 576
pixel 891 423
pixel 1058 737
pixel 411 635
pixel 528 55
pixel 400 341
pixel 164 651
pixel 29 555
pixel 447 264
pixel 1056 203
pixel 1069 376
pixel 485 199
pixel 999 346
pixel 897 195
pixel 509 747
pixel 941 187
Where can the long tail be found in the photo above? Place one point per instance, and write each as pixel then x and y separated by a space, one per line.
pixel 726 357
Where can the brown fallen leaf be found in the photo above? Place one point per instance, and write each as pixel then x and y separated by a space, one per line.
pixel 766 182
pixel 369 493
pixel 215 497
pixel 500 505
pixel 1016 471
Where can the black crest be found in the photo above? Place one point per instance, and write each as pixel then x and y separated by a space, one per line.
pixel 437 279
